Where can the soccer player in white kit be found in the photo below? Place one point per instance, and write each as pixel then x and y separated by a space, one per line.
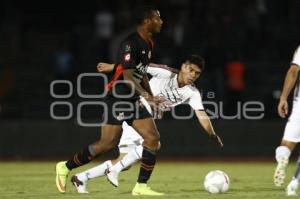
pixel 176 87
pixel 292 130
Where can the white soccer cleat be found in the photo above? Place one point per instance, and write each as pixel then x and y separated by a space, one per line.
pixel 112 177
pixel 279 174
pixel 80 185
pixel 291 189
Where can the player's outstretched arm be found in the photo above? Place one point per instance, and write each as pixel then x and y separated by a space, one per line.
pixel 289 82
pixel 206 124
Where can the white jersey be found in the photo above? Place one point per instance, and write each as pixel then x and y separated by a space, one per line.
pixel 163 83
pixel 296 61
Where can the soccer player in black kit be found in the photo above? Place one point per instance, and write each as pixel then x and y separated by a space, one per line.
pixel 123 105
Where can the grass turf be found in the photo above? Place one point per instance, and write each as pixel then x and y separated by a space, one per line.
pixel 176 179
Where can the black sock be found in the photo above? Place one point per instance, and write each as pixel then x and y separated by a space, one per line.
pixel 81 158
pixel 147 165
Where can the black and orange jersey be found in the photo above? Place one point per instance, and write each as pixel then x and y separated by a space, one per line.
pixel 134 53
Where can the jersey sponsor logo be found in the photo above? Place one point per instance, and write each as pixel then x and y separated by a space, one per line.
pixel 127 57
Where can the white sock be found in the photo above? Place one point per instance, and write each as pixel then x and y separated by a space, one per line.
pixel 94 172
pixel 128 159
pixel 282 151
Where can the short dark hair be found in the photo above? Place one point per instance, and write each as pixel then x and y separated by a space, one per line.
pixel 144 12
pixel 196 60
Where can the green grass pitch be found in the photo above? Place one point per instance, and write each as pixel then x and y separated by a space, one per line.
pixel 177 179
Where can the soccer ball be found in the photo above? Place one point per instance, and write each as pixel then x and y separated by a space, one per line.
pixel 216 182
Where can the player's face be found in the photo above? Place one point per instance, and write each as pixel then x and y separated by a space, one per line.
pixel 190 73
pixel 155 22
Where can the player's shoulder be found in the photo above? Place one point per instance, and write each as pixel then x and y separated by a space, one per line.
pixel 132 37
pixel 193 88
pixel 163 67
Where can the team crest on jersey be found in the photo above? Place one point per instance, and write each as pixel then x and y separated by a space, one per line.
pixel 127 57
pixel 127 48
pixel 149 54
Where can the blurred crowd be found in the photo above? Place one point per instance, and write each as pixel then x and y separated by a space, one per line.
pixel 247 46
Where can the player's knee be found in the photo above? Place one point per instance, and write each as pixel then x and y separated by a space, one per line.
pixel 101 147
pixel 107 148
pixel 288 144
pixel 152 141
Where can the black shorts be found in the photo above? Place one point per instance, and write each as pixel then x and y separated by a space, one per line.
pixel 120 110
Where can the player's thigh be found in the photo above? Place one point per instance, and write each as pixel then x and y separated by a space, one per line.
pixel 110 135
pixel 291 133
pixel 146 128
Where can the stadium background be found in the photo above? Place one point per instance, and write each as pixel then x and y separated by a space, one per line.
pixel 247 46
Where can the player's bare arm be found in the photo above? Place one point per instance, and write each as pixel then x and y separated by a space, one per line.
pixel 289 83
pixel 146 85
pixel 128 76
pixel 154 101
pixel 206 124
pixel 144 91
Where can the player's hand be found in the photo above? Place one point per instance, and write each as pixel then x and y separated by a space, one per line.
pixel 156 104
pixel 154 101
pixel 157 113
pixel 216 139
pixel 283 108
pixel 105 67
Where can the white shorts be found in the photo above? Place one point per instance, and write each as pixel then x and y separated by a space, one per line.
pixel 292 128
pixel 129 139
